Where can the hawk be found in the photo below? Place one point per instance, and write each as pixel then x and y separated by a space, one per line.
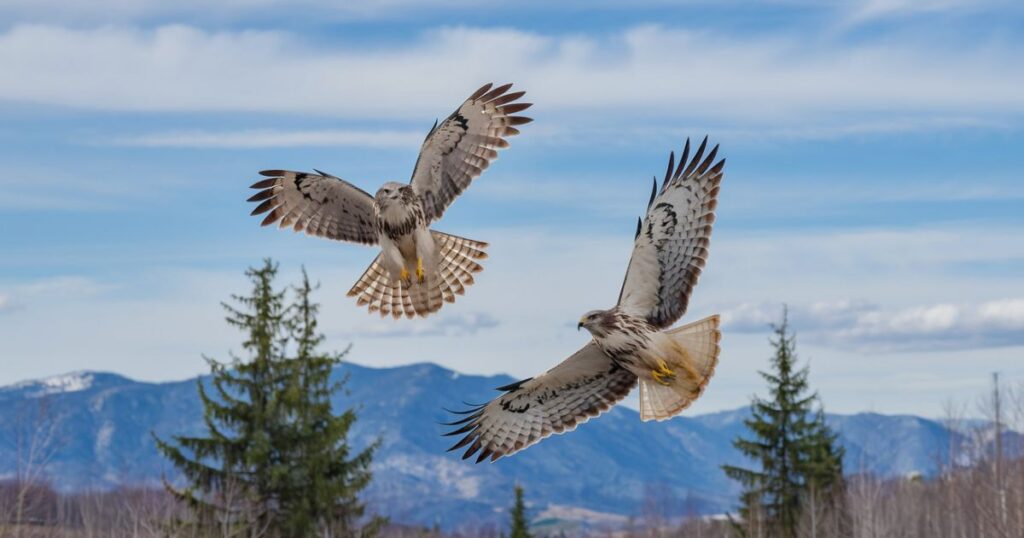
pixel 632 342
pixel 418 269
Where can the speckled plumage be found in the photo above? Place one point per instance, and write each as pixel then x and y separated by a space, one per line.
pixel 632 343
pixel 454 153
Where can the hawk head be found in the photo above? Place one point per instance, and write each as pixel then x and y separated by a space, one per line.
pixel 598 322
pixel 390 194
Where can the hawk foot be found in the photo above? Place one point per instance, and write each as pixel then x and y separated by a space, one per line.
pixel 405 277
pixel 663 375
pixel 421 276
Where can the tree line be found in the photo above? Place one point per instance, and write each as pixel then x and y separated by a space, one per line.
pixel 274 460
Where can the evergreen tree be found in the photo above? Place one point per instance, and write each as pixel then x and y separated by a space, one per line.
pixel 327 477
pixel 824 486
pixel 274 461
pixel 520 526
pixel 791 443
pixel 231 470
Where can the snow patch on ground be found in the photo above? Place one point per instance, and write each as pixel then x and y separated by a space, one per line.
pixel 577 514
pixel 72 382
pixel 447 473
pixel 104 436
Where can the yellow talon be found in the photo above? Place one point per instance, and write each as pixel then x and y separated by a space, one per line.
pixel 663 374
pixel 420 274
pixel 404 276
pixel 658 377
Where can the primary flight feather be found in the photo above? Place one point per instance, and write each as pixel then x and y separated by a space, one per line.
pixel 418 269
pixel 632 343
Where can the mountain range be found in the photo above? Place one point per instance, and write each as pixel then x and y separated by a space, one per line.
pixel 102 426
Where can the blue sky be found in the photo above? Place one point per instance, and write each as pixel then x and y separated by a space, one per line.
pixel 872 183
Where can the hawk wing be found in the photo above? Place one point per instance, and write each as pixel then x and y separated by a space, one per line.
pixel 463 146
pixel 671 244
pixel 582 386
pixel 320 204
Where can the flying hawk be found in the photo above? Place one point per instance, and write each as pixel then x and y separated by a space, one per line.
pixel 632 341
pixel 418 269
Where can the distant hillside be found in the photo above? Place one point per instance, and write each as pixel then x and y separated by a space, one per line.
pixel 105 423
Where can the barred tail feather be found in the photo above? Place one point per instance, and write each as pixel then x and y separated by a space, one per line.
pixel 457 262
pixel 698 343
pixel 379 292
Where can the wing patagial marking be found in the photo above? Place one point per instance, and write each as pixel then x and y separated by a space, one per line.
pixel 318 204
pixel 581 387
pixel 459 149
pixel 670 248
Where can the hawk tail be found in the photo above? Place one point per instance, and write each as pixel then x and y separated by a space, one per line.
pixel 696 347
pixel 382 293
pixel 457 261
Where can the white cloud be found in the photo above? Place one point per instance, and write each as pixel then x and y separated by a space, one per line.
pixel 867 327
pixel 33 188
pixel 650 70
pixel 131 10
pixel 266 138
pixel 861 11
pixel 61 287
pixel 6 304
pixel 23 295
pixel 156 323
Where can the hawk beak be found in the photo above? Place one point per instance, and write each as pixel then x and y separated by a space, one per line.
pixel 579 325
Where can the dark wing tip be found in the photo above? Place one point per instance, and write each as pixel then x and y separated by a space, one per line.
pixel 264 183
pixel 473 408
pixel 267 205
pixel 466 428
pixel 514 386
pixel 671 166
pixel 262 195
pixel 473 448
pixel 462 442
pixel 271 218
pixel 491 95
pixel 695 162
pixel 507 98
pixel 482 90
pixel 484 455
pixel 461 420
pixel 272 173
pixel 512 108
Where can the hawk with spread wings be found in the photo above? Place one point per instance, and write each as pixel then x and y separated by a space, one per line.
pixel 632 342
pixel 418 269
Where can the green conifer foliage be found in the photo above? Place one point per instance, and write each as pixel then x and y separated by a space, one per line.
pixel 796 452
pixel 274 460
pixel 520 525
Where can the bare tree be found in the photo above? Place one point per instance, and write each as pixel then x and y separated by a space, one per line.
pixel 33 438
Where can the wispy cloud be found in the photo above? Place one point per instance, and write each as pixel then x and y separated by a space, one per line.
pixel 63 288
pixel 6 304
pixel 267 138
pixel 645 70
pixel 147 10
pixel 868 327
pixel 37 189
pixel 860 11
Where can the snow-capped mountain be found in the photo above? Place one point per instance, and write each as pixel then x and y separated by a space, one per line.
pixel 602 469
